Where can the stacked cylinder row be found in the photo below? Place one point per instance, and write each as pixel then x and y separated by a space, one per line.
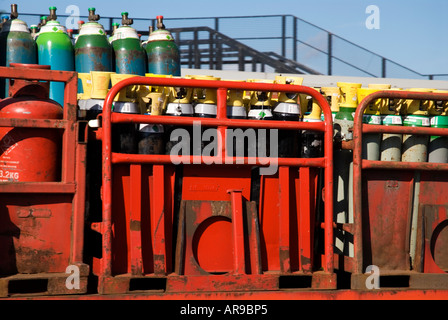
pixel 50 43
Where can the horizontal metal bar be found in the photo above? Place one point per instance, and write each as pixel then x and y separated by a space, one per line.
pixel 37 187
pixel 212 122
pixel 368 128
pixel 33 123
pixel 259 161
pixel 20 72
pixel 396 165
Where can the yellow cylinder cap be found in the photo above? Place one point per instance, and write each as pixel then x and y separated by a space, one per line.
pixel 349 94
pixel 333 96
pixel 284 96
pixel 440 109
pixel 418 107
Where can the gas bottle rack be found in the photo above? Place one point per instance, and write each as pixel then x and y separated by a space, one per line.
pixel 66 200
pixel 384 208
pixel 247 274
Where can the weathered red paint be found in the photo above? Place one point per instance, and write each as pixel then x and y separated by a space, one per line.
pixel 42 222
pixel 286 249
pixel 383 205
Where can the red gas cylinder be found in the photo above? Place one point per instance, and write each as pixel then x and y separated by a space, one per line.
pixel 30 154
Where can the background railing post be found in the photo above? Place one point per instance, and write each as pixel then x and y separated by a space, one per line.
pixel 330 54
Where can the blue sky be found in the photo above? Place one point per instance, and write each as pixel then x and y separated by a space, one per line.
pixel 413 33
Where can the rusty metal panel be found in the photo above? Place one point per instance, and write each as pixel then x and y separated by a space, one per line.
pixel 386 211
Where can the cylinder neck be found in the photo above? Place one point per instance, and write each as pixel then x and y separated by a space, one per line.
pixel 52 16
pixel 92 16
pixel 160 24
pixel 14 12
pixel 125 21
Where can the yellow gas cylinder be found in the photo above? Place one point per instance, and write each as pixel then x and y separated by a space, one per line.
pixel 260 102
pixel 312 141
pixel 333 96
pixel 236 108
pixel 124 135
pixel 205 99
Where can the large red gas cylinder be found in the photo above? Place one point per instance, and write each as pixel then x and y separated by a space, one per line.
pixel 30 154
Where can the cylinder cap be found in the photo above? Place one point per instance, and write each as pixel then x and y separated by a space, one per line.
pixel 91 9
pixel 124 13
pixel 52 8
pixel 159 17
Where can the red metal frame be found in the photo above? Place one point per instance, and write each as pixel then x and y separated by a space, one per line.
pixel 386 168
pixel 72 181
pixel 159 161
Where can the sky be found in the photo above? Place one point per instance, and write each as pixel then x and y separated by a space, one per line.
pixel 413 33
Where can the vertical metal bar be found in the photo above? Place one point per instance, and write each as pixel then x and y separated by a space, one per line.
pixel 221 114
pixel 294 39
pixel 197 55
pixel 217 24
pixel 135 234
pixel 239 266
pixel 210 51
pixel 158 220
pixel 383 67
pixel 284 241
pixel 330 54
pixel 79 202
pixel 106 261
pixel 284 35
pixel 241 66
pixel 306 211
pixel 69 135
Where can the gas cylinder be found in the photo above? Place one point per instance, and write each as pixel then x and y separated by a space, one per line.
pixel 260 108
pixel 16 46
pixel 30 154
pixel 124 134
pixel 115 26
pixel 415 147
pixel 260 103
pixel 130 57
pixel 371 141
pixel 162 52
pixel 312 141
pixel 205 99
pixel 333 96
pixel 390 148
pixel 180 104
pixel 150 138
pixel 34 31
pixel 55 48
pixel 288 108
pixel 343 158
pixel 235 104
pixel 93 51
pixel 343 120
pixel 4 19
pixel 438 145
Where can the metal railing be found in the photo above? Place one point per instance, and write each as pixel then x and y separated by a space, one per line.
pixel 285 38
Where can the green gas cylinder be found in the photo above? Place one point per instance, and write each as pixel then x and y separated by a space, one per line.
pixel 55 48
pixel 16 46
pixel 162 52
pixel 130 57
